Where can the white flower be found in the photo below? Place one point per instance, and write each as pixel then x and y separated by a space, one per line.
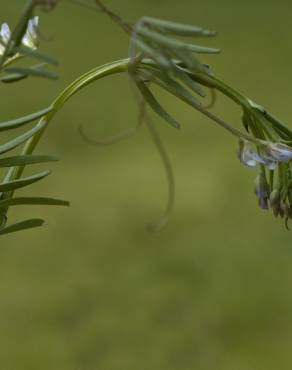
pixel 4 37
pixel 29 39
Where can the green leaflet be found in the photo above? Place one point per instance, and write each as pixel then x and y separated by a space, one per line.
pixel 36 54
pixel 172 86
pixel 33 201
pixel 23 160
pixel 190 83
pixel 8 125
pixel 21 138
pixel 21 183
pixel 200 108
pixel 35 71
pixel 174 44
pixel 178 29
pixel 153 103
pixel 12 77
pixel 278 126
pixel 159 58
pixel 188 59
pixel 24 225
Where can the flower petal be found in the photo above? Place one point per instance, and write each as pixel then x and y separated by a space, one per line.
pixel 5 34
pixel 30 37
pixel 247 156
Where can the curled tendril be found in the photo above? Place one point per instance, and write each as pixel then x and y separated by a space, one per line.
pixel 115 138
pixel 132 71
pixel 213 99
pixel 144 118
pixel 162 222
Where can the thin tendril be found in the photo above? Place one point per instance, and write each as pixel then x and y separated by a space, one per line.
pixel 162 222
pixel 85 5
pixel 115 138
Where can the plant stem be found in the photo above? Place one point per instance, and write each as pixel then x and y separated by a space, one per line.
pixel 239 99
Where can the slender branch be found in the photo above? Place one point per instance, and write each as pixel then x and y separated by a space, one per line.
pixel 116 18
pixel 85 5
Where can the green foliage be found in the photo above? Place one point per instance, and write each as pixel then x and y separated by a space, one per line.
pixel 14 46
pixel 157 57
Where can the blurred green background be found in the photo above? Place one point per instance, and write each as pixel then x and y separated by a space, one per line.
pixel 92 289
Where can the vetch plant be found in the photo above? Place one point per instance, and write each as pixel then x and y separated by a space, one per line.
pixel 161 55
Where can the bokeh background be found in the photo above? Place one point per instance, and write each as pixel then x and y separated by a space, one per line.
pixel 93 289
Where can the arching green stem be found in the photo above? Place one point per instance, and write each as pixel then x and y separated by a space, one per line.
pixel 81 82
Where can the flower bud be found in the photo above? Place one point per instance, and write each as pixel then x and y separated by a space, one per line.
pixel 275 197
pixel 277 210
pixel 262 190
pixel 286 211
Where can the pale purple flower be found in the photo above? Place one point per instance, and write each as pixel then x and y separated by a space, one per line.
pixel 250 158
pixel 279 151
pixel 247 155
pixel 263 203
pixel 268 161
